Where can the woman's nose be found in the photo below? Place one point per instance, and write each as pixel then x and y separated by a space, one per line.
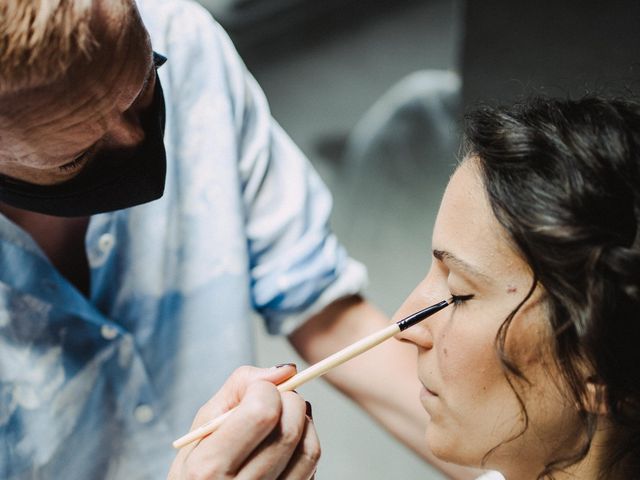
pixel 428 292
pixel 420 334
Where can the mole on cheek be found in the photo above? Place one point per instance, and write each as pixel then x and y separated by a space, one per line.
pixel 512 289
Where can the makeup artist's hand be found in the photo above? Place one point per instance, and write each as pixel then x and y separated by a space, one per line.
pixel 269 435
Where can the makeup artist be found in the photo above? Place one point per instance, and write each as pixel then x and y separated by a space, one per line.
pixel 149 204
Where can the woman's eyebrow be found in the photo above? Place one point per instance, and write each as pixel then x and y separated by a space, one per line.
pixel 448 257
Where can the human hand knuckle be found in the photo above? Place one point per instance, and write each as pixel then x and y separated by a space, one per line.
pixel 263 413
pixel 312 452
pixel 201 416
pixel 291 433
pixel 294 403
pixel 203 411
pixel 293 428
pixel 261 417
pixel 243 372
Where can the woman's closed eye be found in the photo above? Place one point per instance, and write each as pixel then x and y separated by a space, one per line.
pixel 458 300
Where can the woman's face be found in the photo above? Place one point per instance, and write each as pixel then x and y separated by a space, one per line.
pixel 471 405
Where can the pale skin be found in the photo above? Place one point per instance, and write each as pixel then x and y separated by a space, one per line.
pixel 44 140
pixel 472 409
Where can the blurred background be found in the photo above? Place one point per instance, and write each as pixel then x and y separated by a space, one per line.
pixel 373 92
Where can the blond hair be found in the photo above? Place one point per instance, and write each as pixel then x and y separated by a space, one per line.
pixel 41 39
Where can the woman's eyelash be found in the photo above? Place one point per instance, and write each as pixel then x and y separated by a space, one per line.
pixel 460 299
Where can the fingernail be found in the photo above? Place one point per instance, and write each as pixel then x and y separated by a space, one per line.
pixel 309 410
pixel 280 365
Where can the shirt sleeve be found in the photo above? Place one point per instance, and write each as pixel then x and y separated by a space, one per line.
pixel 296 264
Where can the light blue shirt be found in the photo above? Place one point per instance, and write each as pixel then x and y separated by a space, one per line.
pixel 99 387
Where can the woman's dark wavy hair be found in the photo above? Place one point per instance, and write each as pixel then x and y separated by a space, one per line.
pixel 563 179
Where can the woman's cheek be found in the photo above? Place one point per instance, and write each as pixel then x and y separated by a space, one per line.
pixel 467 354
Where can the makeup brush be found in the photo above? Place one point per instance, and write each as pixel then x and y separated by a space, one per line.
pixel 323 366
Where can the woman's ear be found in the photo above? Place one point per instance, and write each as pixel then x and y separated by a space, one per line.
pixel 595 397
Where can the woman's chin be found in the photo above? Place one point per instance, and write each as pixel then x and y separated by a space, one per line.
pixel 439 448
pixel 441 445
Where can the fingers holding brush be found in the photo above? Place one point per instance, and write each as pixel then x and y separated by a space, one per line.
pixel 304 462
pixel 220 456
pixel 260 430
pixel 286 384
pixel 259 435
pixel 289 452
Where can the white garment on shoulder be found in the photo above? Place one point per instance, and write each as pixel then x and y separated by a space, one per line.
pixel 492 475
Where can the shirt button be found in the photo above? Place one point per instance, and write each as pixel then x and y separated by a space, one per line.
pixel 143 413
pixel 106 242
pixel 108 332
